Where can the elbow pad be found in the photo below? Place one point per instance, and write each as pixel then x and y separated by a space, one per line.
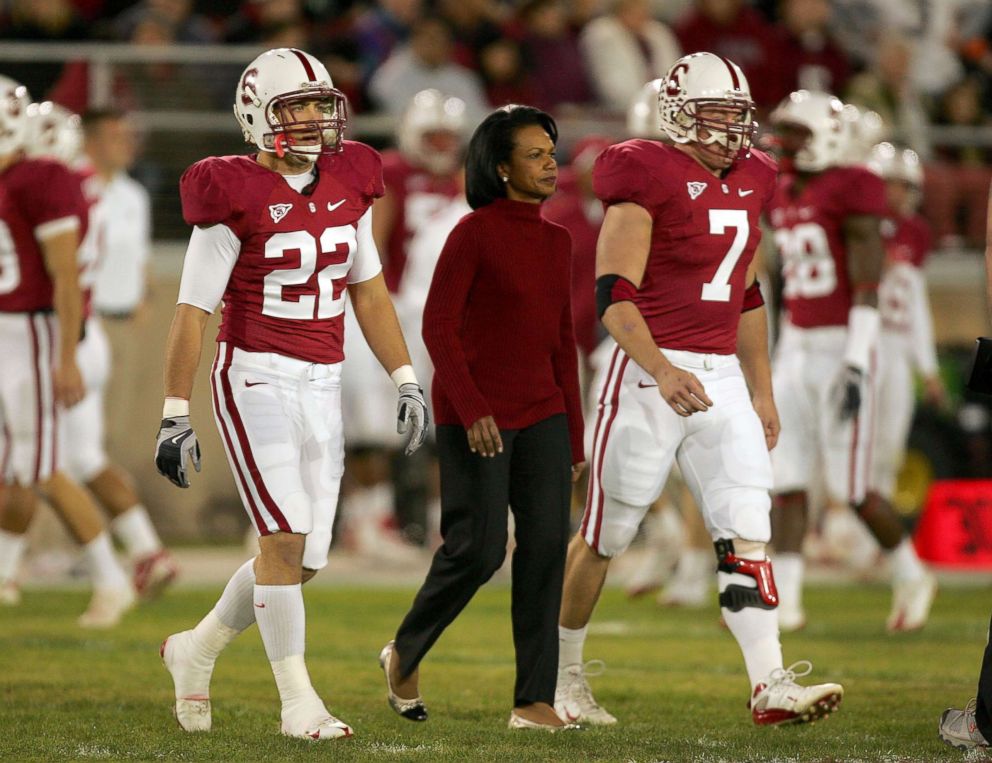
pixel 752 297
pixel 612 288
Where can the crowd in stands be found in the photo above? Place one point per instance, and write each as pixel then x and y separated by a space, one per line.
pixel 917 64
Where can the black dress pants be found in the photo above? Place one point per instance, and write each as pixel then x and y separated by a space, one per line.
pixel 533 477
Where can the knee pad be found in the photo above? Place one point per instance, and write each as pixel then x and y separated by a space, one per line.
pixel 617 529
pixel 736 597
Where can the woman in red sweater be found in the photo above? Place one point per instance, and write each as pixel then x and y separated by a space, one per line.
pixel 498 326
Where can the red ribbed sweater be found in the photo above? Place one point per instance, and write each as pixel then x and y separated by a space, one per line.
pixel 498 322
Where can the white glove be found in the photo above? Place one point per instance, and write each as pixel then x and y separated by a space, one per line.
pixel 412 415
pixel 175 448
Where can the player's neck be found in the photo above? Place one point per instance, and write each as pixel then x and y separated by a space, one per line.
pixel 285 165
pixel 9 160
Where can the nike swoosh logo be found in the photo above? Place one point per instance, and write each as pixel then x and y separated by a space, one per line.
pixel 642 385
pixel 178 438
pixel 742 193
pixel 253 384
pixel 332 207
pixel 260 606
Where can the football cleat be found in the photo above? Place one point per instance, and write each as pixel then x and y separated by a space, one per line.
pixel 10 593
pixel 958 728
pixel 107 607
pixel 519 722
pixel 574 702
pixel 781 700
pixel 191 675
pixel 327 727
pixel 154 573
pixel 411 709
pixel 911 600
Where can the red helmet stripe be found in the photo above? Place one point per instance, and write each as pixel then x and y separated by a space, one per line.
pixel 733 72
pixel 311 77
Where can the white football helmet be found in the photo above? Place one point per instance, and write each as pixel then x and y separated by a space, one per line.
pixel 54 132
pixel 271 87
pixel 865 129
pixel 820 114
pixel 429 113
pixel 899 165
pixel 644 113
pixel 14 101
pixel 703 80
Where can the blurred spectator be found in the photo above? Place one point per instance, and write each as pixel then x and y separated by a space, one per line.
pixel 41 21
pixel 342 57
pixel 551 54
pixel 732 29
pixel 807 57
pixel 474 24
pixel 504 76
pixel 380 29
pixel 425 62
pixel 958 180
pixel 176 15
pixel 261 20
pixel 624 49
pixel 888 89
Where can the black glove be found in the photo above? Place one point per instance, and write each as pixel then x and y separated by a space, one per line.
pixel 411 414
pixel 175 448
pixel 849 393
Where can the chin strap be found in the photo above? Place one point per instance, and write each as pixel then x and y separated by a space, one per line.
pixel 279 145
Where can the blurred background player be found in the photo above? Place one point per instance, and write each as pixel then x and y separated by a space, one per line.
pixel 422 176
pixel 60 137
pixel 676 288
pixel 43 219
pixel 827 227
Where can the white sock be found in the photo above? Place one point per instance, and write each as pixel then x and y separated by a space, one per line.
pixel 105 570
pixel 789 579
pixel 906 565
pixel 212 636
pixel 570 644
pixel 755 629
pixel 135 530
pixel 11 552
pixel 235 609
pixel 300 703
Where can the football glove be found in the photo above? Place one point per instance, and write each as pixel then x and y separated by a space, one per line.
pixel 412 415
pixel 849 393
pixel 175 448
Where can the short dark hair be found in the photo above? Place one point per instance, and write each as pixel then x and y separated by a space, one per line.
pixel 492 144
pixel 93 118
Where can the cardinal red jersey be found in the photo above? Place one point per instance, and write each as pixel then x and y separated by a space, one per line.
pixel 286 291
pixel 417 195
pixel 34 193
pixel 809 235
pixel 908 241
pixel 704 234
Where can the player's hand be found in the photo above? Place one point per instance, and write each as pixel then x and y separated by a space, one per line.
pixel 412 416
pixel 175 448
pixel 768 414
pixel 682 391
pixel 68 382
pixel 483 437
pixel 934 392
pixel 848 393
pixel 577 470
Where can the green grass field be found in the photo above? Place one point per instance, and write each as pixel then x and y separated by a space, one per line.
pixel 674 678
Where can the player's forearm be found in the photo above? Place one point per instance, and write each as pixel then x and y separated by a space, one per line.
pixel 68 303
pixel 627 326
pixel 866 259
pixel 182 350
pixel 752 350
pixel 377 318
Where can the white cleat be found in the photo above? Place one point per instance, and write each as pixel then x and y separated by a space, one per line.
pixel 574 702
pixel 327 727
pixel 107 607
pixel 781 700
pixel 911 601
pixel 154 573
pixel 10 593
pixel 191 676
pixel 790 619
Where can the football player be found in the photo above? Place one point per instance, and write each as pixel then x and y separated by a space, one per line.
pixel 43 218
pixel 56 134
pixel 280 236
pixel 826 215
pixel 421 176
pixel 689 380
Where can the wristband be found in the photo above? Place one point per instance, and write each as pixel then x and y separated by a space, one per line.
pixel 862 335
pixel 404 375
pixel 175 406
